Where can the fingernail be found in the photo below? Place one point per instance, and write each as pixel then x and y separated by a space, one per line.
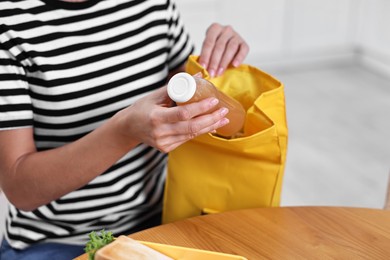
pixel 198 75
pixel 204 65
pixel 214 101
pixel 236 63
pixel 212 73
pixel 224 121
pixel 220 71
pixel 224 111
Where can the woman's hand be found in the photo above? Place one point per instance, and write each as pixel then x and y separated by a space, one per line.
pixel 152 120
pixel 222 47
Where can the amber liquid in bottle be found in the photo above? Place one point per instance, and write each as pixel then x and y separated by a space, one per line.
pixel 193 89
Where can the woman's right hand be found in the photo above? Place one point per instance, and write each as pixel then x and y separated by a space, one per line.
pixel 154 121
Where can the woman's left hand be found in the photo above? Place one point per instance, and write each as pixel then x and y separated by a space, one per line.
pixel 222 46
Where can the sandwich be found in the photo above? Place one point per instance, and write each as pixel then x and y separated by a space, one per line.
pixel 123 248
pixel 106 247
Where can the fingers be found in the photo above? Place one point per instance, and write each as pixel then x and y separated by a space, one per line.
pixel 209 42
pixel 221 47
pixel 173 141
pixel 240 56
pixel 183 131
pixel 221 52
pixel 176 125
pixel 234 54
pixel 202 124
pixel 192 119
pixel 186 112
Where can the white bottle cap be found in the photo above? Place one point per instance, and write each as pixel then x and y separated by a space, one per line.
pixel 181 87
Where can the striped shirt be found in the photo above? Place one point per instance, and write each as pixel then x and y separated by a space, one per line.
pixel 65 68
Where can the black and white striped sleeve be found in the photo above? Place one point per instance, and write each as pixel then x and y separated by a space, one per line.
pixel 15 102
pixel 180 45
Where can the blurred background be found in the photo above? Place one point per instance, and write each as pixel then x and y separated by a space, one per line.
pixel 334 59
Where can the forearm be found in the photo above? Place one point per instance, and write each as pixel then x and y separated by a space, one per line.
pixel 31 179
pixel 40 177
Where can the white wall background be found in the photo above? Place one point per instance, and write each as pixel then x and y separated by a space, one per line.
pixel 287 33
pixel 373 34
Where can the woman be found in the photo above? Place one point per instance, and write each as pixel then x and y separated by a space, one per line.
pixel 85 121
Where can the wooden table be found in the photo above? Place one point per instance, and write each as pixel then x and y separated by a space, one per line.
pixel 283 233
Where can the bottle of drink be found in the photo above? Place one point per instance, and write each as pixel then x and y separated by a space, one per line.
pixel 184 88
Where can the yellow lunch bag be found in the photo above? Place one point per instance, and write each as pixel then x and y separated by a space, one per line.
pixel 212 174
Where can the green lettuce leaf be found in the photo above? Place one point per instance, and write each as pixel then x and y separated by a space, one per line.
pixel 96 241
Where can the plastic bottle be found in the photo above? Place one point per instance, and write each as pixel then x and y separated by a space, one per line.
pixel 184 88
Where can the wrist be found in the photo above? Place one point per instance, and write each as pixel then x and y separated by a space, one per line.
pixel 121 130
